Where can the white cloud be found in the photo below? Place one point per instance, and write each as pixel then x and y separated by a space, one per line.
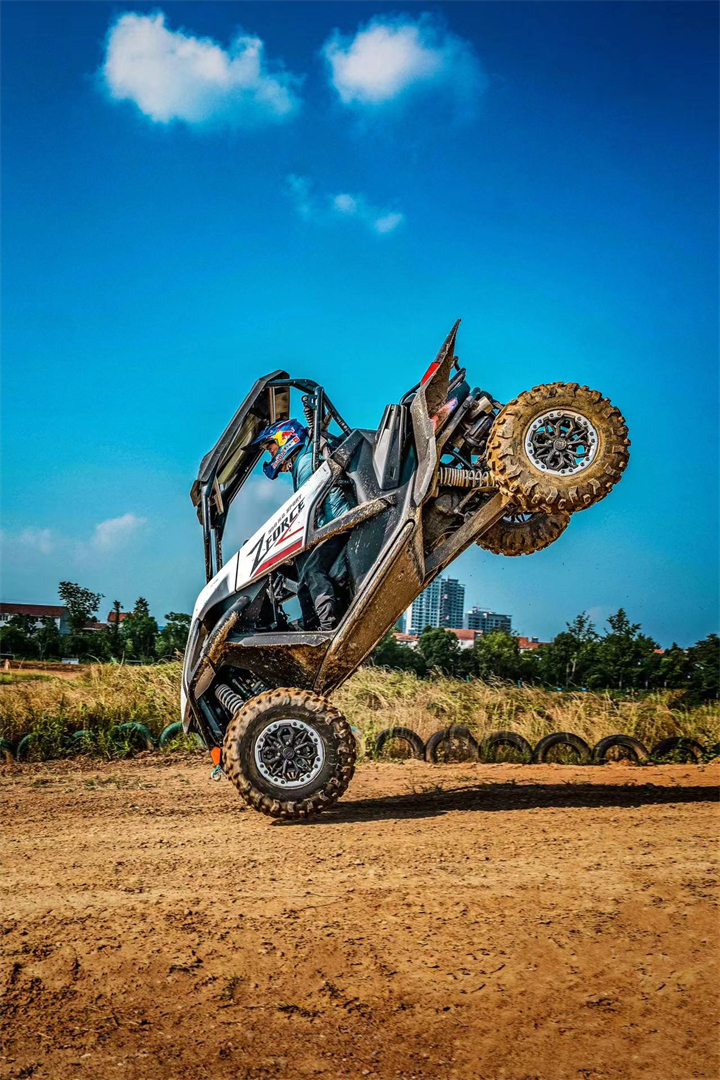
pixel 329 208
pixel 392 55
pixel 388 222
pixel 30 540
pixel 115 532
pixel 357 206
pixel 41 540
pixel 345 204
pixel 171 75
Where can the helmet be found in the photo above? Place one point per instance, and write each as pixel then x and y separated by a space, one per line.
pixel 289 436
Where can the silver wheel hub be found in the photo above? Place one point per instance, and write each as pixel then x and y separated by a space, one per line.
pixel 561 442
pixel 289 753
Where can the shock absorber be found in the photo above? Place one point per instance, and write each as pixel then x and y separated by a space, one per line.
pixel 309 410
pixel 464 478
pixel 229 700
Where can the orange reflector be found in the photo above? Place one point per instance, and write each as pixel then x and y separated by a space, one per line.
pixel 216 754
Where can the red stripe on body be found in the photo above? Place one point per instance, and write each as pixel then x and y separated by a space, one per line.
pixel 279 556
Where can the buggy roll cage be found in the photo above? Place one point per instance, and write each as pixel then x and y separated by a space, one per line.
pixel 224 470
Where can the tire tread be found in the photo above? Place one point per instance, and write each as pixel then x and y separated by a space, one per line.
pixel 531 490
pixel 335 786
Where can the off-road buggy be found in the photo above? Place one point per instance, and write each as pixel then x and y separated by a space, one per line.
pixel 448 466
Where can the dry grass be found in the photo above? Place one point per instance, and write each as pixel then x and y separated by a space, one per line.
pixel 107 694
pixel 102 696
pixel 374 699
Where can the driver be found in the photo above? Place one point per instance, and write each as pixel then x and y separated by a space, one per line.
pixel 290 451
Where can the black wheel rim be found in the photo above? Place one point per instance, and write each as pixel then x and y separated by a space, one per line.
pixel 289 753
pixel 561 442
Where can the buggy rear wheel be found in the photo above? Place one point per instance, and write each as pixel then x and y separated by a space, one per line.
pixel 523 534
pixel 558 447
pixel 289 752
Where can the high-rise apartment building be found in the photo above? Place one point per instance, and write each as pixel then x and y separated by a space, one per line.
pixel 487 621
pixel 441 604
pixel 425 609
pixel 452 603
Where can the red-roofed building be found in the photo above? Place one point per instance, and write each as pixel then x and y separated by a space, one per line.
pixel 466 638
pixel 122 615
pixel 527 644
pixel 38 612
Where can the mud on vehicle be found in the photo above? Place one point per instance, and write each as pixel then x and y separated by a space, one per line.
pixel 448 466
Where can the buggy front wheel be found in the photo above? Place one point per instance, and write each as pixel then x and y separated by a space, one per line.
pixel 560 447
pixel 289 752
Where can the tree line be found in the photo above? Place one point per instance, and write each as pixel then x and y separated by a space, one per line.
pixel 620 658
pixel 134 637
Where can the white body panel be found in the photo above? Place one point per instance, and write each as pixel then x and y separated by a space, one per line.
pixel 283 535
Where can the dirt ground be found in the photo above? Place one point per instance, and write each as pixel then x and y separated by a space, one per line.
pixel 475 922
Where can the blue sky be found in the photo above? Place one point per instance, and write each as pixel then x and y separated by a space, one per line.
pixel 180 217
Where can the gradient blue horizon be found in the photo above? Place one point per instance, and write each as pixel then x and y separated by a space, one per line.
pixel 151 273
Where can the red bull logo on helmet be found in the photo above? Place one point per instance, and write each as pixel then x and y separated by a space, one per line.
pixel 281 437
pixel 289 436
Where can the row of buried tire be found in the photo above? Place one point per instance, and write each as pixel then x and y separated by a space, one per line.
pixel 486 750
pixel 130 734
pixel 139 736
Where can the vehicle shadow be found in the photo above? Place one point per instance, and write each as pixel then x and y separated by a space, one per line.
pixel 490 798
